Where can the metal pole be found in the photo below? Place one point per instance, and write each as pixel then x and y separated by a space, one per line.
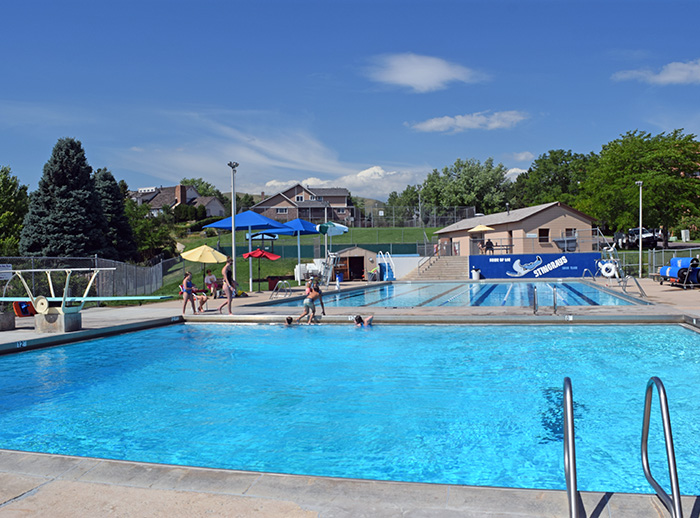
pixel 233 166
pixel 640 228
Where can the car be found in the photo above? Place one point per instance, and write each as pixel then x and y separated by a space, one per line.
pixel 649 239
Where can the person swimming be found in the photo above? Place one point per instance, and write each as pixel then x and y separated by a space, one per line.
pixel 360 322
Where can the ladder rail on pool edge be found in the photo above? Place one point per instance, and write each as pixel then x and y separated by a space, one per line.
pixel 673 502
pixel 570 451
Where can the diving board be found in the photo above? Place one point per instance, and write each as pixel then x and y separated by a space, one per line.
pixel 59 313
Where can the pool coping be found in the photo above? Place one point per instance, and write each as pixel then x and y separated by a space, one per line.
pixel 323 496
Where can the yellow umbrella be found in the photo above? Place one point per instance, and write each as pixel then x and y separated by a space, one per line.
pixel 480 228
pixel 204 254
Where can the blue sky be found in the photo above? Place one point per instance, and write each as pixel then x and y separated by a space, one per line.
pixel 368 95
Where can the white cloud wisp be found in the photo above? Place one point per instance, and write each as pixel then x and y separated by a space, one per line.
pixel 421 74
pixel 473 121
pixel 675 73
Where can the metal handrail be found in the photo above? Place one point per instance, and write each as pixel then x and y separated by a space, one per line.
pixel 570 450
pixel 673 502
pixel 589 273
pixel 282 284
pixel 554 299
pixel 386 258
pixel 535 303
pixel 639 286
pixel 427 259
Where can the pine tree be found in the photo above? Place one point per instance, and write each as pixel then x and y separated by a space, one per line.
pixel 65 217
pixel 119 233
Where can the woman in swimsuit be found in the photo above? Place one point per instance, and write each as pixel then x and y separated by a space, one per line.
pixel 187 292
pixel 229 284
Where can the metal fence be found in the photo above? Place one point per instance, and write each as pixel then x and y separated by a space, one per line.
pixel 124 280
pixel 375 215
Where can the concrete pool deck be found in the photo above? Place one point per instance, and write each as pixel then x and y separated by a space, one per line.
pixel 34 484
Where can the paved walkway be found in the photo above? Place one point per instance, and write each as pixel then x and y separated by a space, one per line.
pixel 50 485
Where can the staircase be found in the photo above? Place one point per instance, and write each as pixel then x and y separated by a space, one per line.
pixel 441 269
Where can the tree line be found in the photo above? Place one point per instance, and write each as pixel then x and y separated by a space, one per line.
pixel 602 184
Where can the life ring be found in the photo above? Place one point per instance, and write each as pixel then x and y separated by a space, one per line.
pixel 608 270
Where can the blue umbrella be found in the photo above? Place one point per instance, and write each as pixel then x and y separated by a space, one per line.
pixel 249 221
pixel 297 228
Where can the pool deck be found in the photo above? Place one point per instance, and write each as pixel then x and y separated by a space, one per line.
pixel 34 484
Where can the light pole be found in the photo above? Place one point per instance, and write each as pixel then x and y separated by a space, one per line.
pixel 233 166
pixel 639 183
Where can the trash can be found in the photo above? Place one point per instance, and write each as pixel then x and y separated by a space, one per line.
pixel 476 274
pixel 272 282
pixel 339 277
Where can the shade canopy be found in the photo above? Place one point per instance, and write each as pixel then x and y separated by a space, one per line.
pixel 480 228
pixel 248 220
pixel 204 254
pixel 332 229
pixel 259 253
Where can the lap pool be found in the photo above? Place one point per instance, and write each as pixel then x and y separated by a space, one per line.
pixel 460 294
pixel 477 405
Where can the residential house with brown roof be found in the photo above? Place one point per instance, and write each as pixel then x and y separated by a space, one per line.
pixel 158 197
pixel 315 204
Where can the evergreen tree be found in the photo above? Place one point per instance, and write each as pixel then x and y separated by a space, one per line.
pixel 65 214
pixel 119 233
pixel 14 204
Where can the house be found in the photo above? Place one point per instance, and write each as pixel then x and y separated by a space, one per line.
pixel 315 204
pixel 548 228
pixel 158 197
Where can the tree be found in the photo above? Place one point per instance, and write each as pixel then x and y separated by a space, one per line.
pixel 205 188
pixel 119 232
pixel 554 176
pixel 65 214
pixel 153 234
pixel 14 203
pixel 667 164
pixel 470 183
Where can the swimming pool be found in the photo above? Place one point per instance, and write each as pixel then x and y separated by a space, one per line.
pixel 460 294
pixel 477 405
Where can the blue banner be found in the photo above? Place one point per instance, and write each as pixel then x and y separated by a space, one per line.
pixel 533 266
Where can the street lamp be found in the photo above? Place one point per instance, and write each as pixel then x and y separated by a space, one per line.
pixel 640 228
pixel 233 166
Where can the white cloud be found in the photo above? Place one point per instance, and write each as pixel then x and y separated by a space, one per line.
pixel 524 156
pixel 421 73
pixel 480 120
pixel 675 73
pixel 514 172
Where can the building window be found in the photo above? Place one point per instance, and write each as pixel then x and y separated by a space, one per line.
pixel 544 235
pixel 299 197
pixel 570 232
pixel 316 198
pixel 282 210
pixel 340 211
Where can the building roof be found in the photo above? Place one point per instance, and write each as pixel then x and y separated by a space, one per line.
pixel 502 218
pixel 316 191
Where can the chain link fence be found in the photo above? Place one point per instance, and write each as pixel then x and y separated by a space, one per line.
pixel 124 280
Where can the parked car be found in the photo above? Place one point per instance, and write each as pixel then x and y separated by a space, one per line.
pixel 649 239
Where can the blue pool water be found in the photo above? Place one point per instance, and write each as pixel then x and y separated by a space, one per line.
pixel 476 405
pixel 471 294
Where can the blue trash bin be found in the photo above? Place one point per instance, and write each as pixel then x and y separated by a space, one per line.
pixel 339 277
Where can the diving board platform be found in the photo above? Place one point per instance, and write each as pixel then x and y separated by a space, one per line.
pixel 61 312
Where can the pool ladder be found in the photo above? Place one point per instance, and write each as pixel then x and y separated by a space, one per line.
pixel 536 304
pixel 673 502
pixel 282 288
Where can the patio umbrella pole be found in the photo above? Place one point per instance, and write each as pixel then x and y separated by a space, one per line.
pixel 250 261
